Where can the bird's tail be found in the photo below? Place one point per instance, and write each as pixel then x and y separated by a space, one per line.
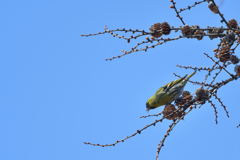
pixel 189 76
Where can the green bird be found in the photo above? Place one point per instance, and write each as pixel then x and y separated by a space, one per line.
pixel 168 93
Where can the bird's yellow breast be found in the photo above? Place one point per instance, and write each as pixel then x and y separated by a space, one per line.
pixel 158 100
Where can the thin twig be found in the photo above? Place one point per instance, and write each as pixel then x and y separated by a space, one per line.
pixel 215 110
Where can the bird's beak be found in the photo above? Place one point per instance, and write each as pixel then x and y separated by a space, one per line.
pixel 147 106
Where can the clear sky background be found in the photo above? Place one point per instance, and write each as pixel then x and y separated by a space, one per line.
pixel 57 91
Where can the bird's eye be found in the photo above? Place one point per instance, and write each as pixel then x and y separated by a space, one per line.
pixel 147 104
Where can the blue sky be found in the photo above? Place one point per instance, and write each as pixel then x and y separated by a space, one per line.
pixel 57 91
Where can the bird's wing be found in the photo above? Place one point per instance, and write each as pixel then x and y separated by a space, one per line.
pixel 173 83
pixel 168 86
